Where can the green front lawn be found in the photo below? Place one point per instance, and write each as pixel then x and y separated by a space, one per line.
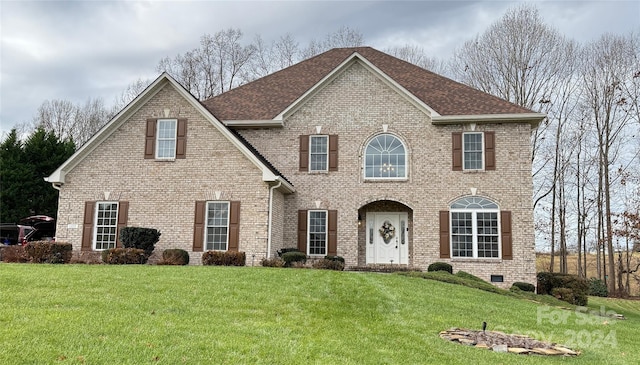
pixel 102 314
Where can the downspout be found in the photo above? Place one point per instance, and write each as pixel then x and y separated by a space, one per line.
pixel 56 186
pixel 271 189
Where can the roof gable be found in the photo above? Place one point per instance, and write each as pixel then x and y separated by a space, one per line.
pixel 269 173
pixel 269 97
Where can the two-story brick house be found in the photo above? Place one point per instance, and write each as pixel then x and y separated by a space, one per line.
pixel 352 153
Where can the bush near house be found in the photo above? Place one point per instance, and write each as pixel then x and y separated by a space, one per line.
pixel 327 264
pixel 174 256
pixel 282 251
pixel 294 257
pixel 14 253
pixel 578 288
pixel 124 256
pixel 224 258
pixel 524 286
pixel 272 262
pixel 440 266
pixel 335 258
pixel 141 238
pixel 45 252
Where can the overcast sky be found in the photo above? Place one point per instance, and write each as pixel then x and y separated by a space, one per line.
pixel 76 50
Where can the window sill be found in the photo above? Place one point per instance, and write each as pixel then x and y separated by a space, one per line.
pixel 165 159
pixel 319 172
pixel 390 180
pixel 477 260
pixel 474 171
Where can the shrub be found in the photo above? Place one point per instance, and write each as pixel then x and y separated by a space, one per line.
pixel 292 257
pixel 124 256
pixel 14 253
pixel 282 251
pixel 466 275
pixel 524 286
pixel 174 256
pixel 598 288
pixel 45 252
pixel 141 238
pixel 440 266
pixel 327 264
pixel 564 294
pixel 334 258
pixel 579 287
pixel 224 258
pixel 272 262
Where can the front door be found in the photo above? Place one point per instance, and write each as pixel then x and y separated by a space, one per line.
pixel 387 238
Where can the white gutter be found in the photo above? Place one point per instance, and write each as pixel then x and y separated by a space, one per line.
pixel 271 189
pixel 533 118
pixel 55 185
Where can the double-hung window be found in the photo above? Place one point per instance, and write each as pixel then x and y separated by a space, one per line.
pixel 217 226
pixel 473 151
pixel 318 153
pixel 475 228
pixel 317 232
pixel 166 139
pixel 106 225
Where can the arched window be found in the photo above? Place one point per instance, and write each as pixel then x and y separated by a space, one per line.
pixel 475 228
pixel 385 158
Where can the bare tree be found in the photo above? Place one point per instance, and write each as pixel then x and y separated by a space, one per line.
pixel 343 37
pixel 610 65
pixel 272 57
pixel 216 66
pixel 68 121
pixel 128 94
pixel 57 116
pixel 417 56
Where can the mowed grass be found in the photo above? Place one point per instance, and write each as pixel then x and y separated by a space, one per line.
pixel 101 314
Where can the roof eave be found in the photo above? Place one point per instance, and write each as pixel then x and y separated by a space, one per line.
pixel 532 118
pixel 268 123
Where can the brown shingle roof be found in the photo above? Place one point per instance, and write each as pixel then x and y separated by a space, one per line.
pixel 265 98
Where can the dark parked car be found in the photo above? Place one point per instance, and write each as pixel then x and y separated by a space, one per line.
pixel 44 228
pixel 13 234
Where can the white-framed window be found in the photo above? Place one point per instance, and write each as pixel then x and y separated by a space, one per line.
pixel 475 228
pixel 318 153
pixel 472 151
pixel 105 225
pixel 166 138
pixel 217 229
pixel 317 232
pixel 385 158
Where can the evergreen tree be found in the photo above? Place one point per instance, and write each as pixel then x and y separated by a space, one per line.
pixel 23 168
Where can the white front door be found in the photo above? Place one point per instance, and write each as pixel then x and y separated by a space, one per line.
pixel 387 238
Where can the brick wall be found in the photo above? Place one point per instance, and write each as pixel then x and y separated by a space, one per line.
pixel 355 106
pixel 162 194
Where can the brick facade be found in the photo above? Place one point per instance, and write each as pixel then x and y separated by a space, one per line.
pixel 356 105
pixel 162 194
